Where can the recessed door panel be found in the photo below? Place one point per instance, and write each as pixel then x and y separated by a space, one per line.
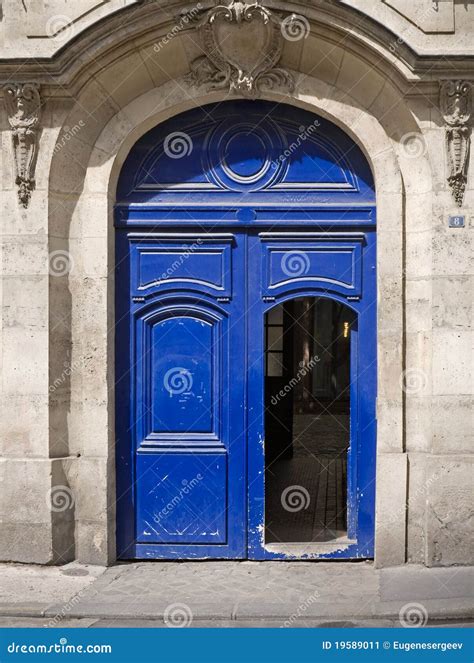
pixel 328 261
pixel 183 362
pixel 171 262
pixel 182 497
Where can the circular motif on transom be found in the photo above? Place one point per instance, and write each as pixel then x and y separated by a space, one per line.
pixel 244 156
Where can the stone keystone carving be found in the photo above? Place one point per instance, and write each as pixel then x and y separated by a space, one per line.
pixel 456 106
pixel 23 104
pixel 243 44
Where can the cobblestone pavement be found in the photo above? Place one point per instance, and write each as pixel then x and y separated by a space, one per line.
pixel 241 594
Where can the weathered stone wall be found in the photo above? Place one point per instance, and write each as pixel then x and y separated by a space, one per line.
pixel 100 93
pixel 40 28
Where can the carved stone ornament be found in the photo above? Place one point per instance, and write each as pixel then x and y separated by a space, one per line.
pixel 456 106
pixel 243 44
pixel 23 104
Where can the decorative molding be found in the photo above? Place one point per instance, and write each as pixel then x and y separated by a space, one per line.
pixel 456 106
pixel 23 104
pixel 242 44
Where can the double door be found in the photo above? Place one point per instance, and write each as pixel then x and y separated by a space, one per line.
pixel 191 358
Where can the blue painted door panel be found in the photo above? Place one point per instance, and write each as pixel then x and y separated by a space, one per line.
pixel 244 154
pixel 180 498
pixel 185 402
pixel 266 203
pixel 304 276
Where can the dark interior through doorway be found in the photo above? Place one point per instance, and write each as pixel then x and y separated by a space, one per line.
pixel 307 420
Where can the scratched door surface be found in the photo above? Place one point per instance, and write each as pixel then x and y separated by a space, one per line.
pixel 222 213
pixel 186 329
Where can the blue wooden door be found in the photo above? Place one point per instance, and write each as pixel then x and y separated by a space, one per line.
pixel 336 266
pixel 215 209
pixel 185 397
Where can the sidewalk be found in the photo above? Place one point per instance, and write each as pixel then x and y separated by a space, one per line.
pixel 280 594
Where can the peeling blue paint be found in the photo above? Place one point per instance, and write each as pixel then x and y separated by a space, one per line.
pixel 202 316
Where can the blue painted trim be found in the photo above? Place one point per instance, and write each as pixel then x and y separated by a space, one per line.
pixel 336 216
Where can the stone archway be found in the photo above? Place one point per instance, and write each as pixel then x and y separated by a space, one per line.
pixel 90 244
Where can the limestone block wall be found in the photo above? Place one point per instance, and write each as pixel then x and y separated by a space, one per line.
pixel 32 460
pixel 40 28
pixel 426 25
pixel 439 358
pixel 99 93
